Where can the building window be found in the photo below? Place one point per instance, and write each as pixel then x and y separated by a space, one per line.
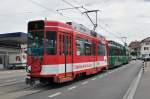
pixel 147 43
pixel 146 48
pixel 1 62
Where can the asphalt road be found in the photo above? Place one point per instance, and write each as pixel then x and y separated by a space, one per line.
pixel 143 89
pixel 108 85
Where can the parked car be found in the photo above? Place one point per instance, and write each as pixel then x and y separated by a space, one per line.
pixel 133 57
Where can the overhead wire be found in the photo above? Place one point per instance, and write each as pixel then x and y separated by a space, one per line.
pixel 71 5
pixel 85 13
pixel 76 8
pixel 111 33
pixel 120 36
pixel 34 2
pixel 42 6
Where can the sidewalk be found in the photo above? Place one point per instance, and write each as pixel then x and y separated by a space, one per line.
pixel 143 90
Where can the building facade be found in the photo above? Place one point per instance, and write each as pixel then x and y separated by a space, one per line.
pixel 12 49
pixel 145 48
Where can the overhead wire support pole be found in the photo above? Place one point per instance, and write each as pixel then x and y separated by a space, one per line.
pixel 124 40
pixel 94 24
pixel 90 19
pixel 86 11
pixel 84 8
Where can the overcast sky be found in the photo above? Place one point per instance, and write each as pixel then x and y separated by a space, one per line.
pixel 117 18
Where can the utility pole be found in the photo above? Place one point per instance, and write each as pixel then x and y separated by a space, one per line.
pixel 94 23
pixel 124 39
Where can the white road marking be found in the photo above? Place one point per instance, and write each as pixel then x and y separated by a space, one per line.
pixel 55 94
pixel 30 91
pixel 10 83
pixel 73 87
pixel 132 89
pixel 94 79
pixel 84 82
pixel 10 80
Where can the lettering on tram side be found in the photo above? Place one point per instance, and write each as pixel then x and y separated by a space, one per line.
pixel 82 66
pixel 98 63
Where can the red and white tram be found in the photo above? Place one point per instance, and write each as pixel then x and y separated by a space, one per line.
pixel 61 52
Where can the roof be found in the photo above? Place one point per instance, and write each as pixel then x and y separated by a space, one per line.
pixel 134 45
pixel 15 37
pixel 146 40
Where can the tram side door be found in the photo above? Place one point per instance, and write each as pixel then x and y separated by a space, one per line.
pixel 66 52
pixel 94 54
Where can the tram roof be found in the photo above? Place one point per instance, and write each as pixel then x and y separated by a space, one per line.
pixel 110 42
pixel 15 37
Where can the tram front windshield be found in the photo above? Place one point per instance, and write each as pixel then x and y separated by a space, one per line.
pixel 36 43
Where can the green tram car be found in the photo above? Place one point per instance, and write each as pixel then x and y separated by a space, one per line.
pixel 118 54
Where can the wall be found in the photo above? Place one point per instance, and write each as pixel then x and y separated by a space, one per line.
pixel 4 54
pixel 146 51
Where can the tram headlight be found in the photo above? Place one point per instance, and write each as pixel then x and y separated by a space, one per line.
pixel 28 69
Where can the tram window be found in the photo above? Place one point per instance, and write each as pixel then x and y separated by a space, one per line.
pixel 61 39
pixel 70 46
pixel 36 25
pixel 93 48
pixel 80 46
pixel 36 43
pixel 117 51
pixel 84 47
pixel 61 44
pixel 88 48
pixel 51 43
pixel 65 44
pixel 111 51
pixel 101 49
